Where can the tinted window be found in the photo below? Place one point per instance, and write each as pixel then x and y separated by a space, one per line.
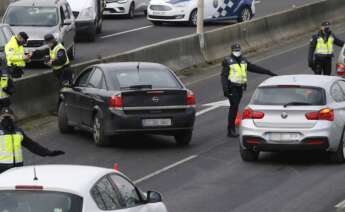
pixel 96 79
pixel 105 196
pixel 128 191
pixel 82 80
pixel 39 201
pixel 158 79
pixel 337 93
pixel 66 12
pixel 285 95
pixel 32 16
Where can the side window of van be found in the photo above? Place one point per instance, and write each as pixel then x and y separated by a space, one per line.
pixel 66 12
pixel 62 13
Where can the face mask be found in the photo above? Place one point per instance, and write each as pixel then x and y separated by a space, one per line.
pixel 327 30
pixel 236 53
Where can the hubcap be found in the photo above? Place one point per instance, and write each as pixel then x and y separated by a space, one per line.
pixel 96 130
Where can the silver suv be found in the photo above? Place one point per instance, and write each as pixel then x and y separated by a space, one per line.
pixel 40 17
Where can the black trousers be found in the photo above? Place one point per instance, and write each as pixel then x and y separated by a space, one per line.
pixel 64 75
pixel 323 66
pixel 235 100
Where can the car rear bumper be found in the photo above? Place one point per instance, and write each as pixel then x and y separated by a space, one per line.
pixel 85 27
pixel 116 9
pixel 173 15
pixel 321 137
pixel 120 122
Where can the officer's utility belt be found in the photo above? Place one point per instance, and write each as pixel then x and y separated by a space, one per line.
pixel 237 84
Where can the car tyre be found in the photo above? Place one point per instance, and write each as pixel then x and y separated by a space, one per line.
pixel 339 155
pixel 64 127
pixel 193 18
pixel 249 155
pixel 183 138
pixel 71 52
pixel 131 12
pixel 98 134
pixel 245 15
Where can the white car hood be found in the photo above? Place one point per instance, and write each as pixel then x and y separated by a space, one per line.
pixel 78 5
pixel 35 33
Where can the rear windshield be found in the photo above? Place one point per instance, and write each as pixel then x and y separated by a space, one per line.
pixel 39 201
pixel 32 16
pixel 156 79
pixel 289 95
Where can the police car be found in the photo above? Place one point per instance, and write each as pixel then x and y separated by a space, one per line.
pixel 67 188
pixel 160 11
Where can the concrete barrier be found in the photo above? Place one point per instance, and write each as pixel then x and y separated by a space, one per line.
pixel 38 94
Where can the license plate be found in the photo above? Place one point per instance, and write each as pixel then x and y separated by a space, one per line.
pixel 157 122
pixel 158 13
pixel 283 136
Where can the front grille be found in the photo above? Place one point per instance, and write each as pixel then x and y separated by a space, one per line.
pixel 162 17
pixel 76 14
pixel 35 43
pixel 160 8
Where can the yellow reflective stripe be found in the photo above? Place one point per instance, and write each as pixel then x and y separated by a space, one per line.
pixel 53 55
pixel 14 53
pixel 238 73
pixel 11 148
pixel 323 47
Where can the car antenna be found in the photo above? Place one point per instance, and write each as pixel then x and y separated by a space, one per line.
pixel 35 174
pixel 138 67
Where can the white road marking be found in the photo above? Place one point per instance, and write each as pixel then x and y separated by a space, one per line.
pixel 213 106
pixel 258 2
pixel 340 204
pixel 126 32
pixel 167 168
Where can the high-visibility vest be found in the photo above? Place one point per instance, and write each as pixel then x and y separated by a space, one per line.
pixel 3 85
pixel 11 148
pixel 324 47
pixel 53 55
pixel 238 72
pixel 14 53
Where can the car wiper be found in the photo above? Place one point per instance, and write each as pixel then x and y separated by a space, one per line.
pixel 296 104
pixel 137 87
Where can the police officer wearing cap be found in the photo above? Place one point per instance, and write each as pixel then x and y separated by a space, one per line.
pixel 15 54
pixel 234 82
pixel 57 59
pixel 321 50
pixel 11 141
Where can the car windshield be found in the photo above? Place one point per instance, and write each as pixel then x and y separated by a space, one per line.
pixel 32 16
pixel 144 79
pixel 39 201
pixel 297 96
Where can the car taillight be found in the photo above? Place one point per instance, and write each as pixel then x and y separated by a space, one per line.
pixel 116 102
pixel 190 98
pixel 341 69
pixel 248 113
pixel 324 114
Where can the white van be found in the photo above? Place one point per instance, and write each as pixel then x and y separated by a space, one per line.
pixel 89 17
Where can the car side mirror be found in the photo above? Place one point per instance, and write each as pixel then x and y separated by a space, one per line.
pixel 67 22
pixel 154 197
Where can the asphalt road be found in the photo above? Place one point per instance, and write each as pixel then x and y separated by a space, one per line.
pixel 120 34
pixel 210 175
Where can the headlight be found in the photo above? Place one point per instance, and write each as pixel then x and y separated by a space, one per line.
pixel 87 14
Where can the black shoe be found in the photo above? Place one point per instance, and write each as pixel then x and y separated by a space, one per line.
pixel 232 133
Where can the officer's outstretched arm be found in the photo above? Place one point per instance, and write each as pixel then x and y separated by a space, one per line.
pixel 338 41
pixel 37 149
pixel 260 70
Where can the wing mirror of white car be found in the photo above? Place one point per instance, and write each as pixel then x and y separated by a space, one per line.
pixel 154 197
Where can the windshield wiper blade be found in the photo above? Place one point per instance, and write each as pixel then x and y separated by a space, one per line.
pixel 138 87
pixel 296 104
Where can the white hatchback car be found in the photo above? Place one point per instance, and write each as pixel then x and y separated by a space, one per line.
pixel 341 63
pixel 67 188
pixel 296 112
pixel 125 7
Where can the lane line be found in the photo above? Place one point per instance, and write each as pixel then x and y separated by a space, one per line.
pixel 167 168
pixel 258 2
pixel 201 112
pixel 126 32
pixel 340 204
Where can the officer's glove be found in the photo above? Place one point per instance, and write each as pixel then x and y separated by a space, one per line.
pixel 244 87
pixel 273 74
pixel 55 153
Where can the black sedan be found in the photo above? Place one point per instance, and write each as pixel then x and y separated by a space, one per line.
pixel 126 98
pixel 5 35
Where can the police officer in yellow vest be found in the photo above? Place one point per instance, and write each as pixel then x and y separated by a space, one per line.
pixel 321 50
pixel 15 55
pixel 234 81
pixel 58 60
pixel 6 87
pixel 12 139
